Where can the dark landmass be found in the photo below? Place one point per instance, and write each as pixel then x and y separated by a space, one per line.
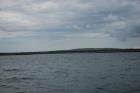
pixel 80 50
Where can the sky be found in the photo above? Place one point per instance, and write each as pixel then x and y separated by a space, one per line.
pixel 43 25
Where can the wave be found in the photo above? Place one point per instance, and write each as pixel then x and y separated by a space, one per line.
pixel 12 70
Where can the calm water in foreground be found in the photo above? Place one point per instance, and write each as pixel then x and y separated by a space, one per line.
pixel 71 73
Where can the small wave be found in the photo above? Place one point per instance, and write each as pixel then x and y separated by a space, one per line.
pixel 27 78
pixel 5 86
pixel 12 70
pixel 133 91
pixel 100 88
pixel 105 90
pixel 20 92
pixel 105 77
pixel 13 79
pixel 61 73
pixel 8 86
pixel 18 79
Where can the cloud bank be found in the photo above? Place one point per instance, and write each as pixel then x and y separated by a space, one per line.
pixel 72 20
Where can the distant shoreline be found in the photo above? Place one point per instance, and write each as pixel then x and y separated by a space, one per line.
pixel 80 50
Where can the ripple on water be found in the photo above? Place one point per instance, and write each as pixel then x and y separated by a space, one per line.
pixel 7 86
pixel 16 79
pixel 133 91
pixel 72 73
pixel 12 70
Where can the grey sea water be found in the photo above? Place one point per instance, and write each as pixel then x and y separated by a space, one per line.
pixel 71 73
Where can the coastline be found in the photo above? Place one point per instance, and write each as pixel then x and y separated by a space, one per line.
pixel 80 50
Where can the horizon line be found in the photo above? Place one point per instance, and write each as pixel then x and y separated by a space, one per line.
pixel 75 50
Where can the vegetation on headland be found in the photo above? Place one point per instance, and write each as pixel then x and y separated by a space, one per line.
pixel 80 50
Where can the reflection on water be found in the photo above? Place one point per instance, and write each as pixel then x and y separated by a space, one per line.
pixel 71 73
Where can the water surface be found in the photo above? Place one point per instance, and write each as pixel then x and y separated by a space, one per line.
pixel 71 73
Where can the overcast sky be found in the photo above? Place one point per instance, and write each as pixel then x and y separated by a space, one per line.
pixel 42 25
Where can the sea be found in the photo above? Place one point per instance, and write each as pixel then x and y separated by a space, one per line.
pixel 71 73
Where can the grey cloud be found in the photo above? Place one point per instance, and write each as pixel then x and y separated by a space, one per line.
pixel 130 31
pixel 61 24
pixel 91 16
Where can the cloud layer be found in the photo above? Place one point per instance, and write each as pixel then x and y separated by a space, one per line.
pixel 70 19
